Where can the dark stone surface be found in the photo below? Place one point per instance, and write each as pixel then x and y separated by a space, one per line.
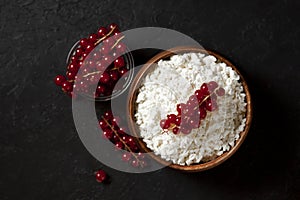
pixel 40 152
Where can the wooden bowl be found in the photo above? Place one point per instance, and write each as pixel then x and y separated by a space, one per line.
pixel 131 105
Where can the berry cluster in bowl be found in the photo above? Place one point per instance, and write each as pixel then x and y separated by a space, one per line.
pixel 98 66
pixel 190 114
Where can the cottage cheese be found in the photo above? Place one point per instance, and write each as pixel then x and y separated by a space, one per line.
pixel 174 81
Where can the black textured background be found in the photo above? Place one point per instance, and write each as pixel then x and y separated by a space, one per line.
pixel 40 152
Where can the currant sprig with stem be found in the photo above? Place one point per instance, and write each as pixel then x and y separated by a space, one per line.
pixel 98 72
pixel 113 27
pixel 99 63
pixel 190 114
pixel 138 157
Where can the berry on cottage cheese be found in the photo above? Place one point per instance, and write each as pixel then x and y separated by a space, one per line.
pixel 174 81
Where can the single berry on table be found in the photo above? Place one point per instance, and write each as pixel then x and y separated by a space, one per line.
pixel 100 176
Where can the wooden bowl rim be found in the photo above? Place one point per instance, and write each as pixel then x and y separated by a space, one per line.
pixel 131 108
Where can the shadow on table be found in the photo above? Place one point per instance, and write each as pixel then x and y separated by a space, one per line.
pixel 266 162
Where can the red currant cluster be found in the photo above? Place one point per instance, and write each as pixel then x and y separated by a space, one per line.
pixel 99 65
pixel 111 131
pixel 190 114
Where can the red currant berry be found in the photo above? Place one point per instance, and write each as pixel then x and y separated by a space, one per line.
pixel 119 145
pixel 178 108
pixel 121 132
pixel 213 97
pixel 189 111
pixel 116 120
pixel 94 79
pixel 135 163
pixel 108 115
pixel 143 163
pixel 78 52
pixel 202 112
pixel 192 102
pixel 130 141
pixel 104 78
pixel 71 75
pixel 84 43
pixel 214 105
pixel 178 121
pixel 204 89
pixel 107 133
pixel 103 124
pixel 100 66
pixel 209 105
pixel 83 56
pixel 175 130
pixel 105 49
pixel 212 85
pixel 134 148
pixel 121 48
pixel 200 95
pixel 101 89
pixel 115 139
pixel 93 38
pixel 114 54
pixel 89 48
pixel 140 155
pixel 73 67
pixel 114 75
pixel 119 62
pixel 193 98
pixel 123 71
pixel 74 59
pixel 185 130
pixel 96 56
pixel 113 26
pixel 164 124
pixel 194 123
pixel 59 80
pixel 220 92
pixel 100 176
pixel 126 157
pixel 91 64
pixel 117 34
pixel 67 86
pixel 102 31
pixel 107 59
pixel 125 138
pixel 109 42
pixel 123 129
pixel 172 118
pixel 80 63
